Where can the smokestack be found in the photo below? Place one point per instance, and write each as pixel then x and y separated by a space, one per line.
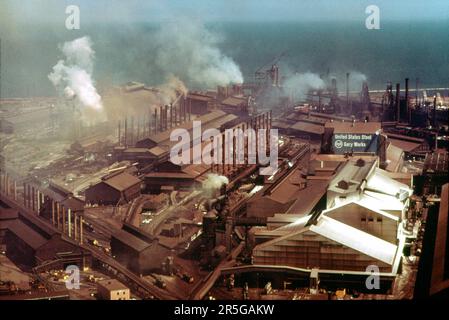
pixel 434 111
pixel 126 131
pixel 223 144
pixel 155 121
pixel 408 110
pixel 69 217
pixel 137 131
pixel 416 93
pixel 33 197
pixel 63 219
pixel 119 134
pixel 189 111
pixel 161 121
pixel 81 230
pixel 149 121
pixel 398 105
pixel 347 90
pixel 166 117
pixel 171 115
pixel 132 131
pixel 175 111
pixel 75 231
pixel 52 212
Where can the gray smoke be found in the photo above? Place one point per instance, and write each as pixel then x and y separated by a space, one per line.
pixel 189 51
pixel 214 182
pixel 297 85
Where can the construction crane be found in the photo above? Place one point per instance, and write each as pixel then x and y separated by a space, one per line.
pixel 269 71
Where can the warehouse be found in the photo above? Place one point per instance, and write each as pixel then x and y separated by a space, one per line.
pixel 199 103
pixel 29 241
pixel 180 177
pixel 115 188
pixel 137 250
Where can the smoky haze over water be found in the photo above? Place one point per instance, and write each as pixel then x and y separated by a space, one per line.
pixel 129 52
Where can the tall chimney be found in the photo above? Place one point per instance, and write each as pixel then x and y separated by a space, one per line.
pixel 347 91
pixel 171 115
pixel 434 111
pixel 81 230
pixel 409 111
pixel 155 121
pixel 398 99
pixel 132 131
pixel 161 121
pixel 223 152
pixel 190 108
pixel 119 134
pixel 166 117
pixel 126 131
pixel 149 121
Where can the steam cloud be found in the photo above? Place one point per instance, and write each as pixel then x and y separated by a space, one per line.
pixel 300 83
pixel 190 51
pixel 72 76
pixel 214 182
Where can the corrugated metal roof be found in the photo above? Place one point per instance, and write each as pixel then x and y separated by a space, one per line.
pixel 28 235
pixel 308 127
pixel 355 239
pixel 234 101
pixel 131 240
pixel 122 181
pixel 357 127
pixel 407 146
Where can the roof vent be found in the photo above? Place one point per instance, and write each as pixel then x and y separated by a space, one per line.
pixel 342 184
pixel 360 163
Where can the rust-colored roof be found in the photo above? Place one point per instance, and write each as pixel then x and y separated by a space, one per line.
pixel 131 240
pixel 26 234
pixel 407 146
pixel 234 101
pixel 308 127
pixel 122 181
pixel 356 127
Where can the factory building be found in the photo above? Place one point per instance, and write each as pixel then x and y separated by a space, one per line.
pixel 29 241
pixel 137 250
pixel 214 119
pixel 236 105
pixel 113 189
pixel 199 103
pixel 112 289
pixel 295 192
pixel 328 245
pixel 56 194
pixel 179 177
pixel 358 228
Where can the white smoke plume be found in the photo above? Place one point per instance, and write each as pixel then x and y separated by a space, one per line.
pixel 188 50
pixel 214 182
pixel 356 80
pixel 297 85
pixel 72 76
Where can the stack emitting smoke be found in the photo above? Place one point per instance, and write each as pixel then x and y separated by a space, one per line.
pixel 300 83
pixel 72 76
pixel 213 183
pixel 188 50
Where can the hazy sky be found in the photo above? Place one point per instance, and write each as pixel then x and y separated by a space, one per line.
pixel 92 11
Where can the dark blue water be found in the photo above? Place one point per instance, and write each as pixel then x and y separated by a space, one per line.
pixel 123 53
